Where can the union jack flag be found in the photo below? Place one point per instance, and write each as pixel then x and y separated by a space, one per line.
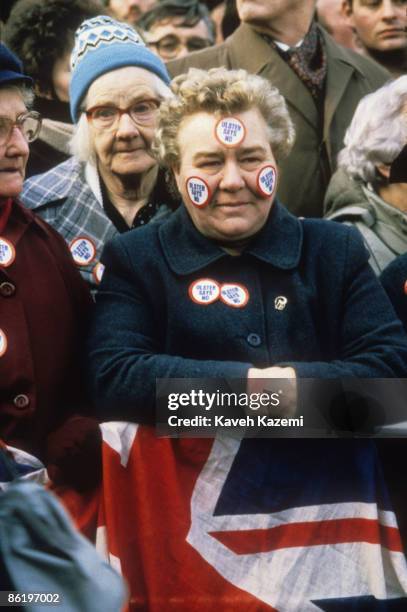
pixel 248 524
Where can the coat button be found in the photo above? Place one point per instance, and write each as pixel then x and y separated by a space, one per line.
pixel 254 339
pixel 21 401
pixel 7 289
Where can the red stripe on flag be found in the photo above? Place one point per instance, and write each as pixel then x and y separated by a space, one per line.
pixel 340 531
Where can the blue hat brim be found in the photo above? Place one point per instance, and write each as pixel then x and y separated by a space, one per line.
pixel 9 76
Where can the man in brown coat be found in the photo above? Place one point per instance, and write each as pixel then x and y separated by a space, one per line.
pixel 321 81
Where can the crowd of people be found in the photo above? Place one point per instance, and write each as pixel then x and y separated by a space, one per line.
pixel 213 191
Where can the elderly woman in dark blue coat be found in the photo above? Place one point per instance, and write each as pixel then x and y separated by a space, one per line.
pixel 303 294
pixel 234 286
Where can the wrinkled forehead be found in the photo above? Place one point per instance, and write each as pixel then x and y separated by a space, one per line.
pixel 11 101
pixel 129 83
pixel 177 25
pixel 223 132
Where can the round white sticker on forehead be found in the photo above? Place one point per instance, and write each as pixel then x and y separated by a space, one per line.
pixel 266 180
pixel 198 191
pixel 230 131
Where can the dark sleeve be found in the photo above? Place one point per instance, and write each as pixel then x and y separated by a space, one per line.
pixel 373 343
pixel 394 280
pixel 125 354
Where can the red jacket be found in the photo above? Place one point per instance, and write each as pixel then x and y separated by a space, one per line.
pixel 44 306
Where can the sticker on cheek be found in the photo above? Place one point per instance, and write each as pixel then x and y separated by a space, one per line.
pixel 204 291
pixel 266 180
pixel 198 191
pixel 230 131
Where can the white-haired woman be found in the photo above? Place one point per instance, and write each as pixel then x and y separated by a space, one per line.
pixel 360 193
pixel 112 183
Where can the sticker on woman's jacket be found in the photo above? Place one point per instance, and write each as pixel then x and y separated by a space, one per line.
pixel 198 191
pixel 83 251
pixel 266 180
pixel 234 295
pixel 204 291
pixel 97 272
pixel 3 343
pixel 7 253
pixel 405 287
pixel 230 131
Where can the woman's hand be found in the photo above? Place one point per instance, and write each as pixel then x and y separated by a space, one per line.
pixel 275 380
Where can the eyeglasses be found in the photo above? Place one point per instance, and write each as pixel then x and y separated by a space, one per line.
pixel 29 125
pixel 170 46
pixel 106 116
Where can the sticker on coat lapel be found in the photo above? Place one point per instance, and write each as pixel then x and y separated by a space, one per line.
pixel 266 180
pixel 83 251
pixel 198 191
pixel 97 272
pixel 204 291
pixel 405 287
pixel 280 302
pixel 3 343
pixel 234 295
pixel 230 131
pixel 7 253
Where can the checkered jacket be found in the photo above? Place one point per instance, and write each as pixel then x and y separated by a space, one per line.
pixel 63 198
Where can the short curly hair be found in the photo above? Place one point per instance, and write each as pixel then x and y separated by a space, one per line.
pixel 41 31
pixel 219 91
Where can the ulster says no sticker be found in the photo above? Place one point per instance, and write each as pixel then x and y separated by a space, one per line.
pixel 83 251
pixel 234 295
pixel 266 180
pixel 204 291
pixel 198 191
pixel 230 131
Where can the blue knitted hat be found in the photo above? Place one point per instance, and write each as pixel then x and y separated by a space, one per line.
pixel 101 45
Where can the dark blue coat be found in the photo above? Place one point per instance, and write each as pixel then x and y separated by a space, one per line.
pixel 337 322
pixel 394 279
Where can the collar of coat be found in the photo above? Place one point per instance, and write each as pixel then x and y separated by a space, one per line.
pixel 342 64
pixel 245 37
pixel 20 219
pixel 186 250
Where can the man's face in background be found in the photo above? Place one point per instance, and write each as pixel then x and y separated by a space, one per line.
pixel 172 38
pixel 130 11
pixel 379 24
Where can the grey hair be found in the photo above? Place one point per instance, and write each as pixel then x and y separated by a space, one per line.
pixel 377 133
pixel 26 93
pixel 81 144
